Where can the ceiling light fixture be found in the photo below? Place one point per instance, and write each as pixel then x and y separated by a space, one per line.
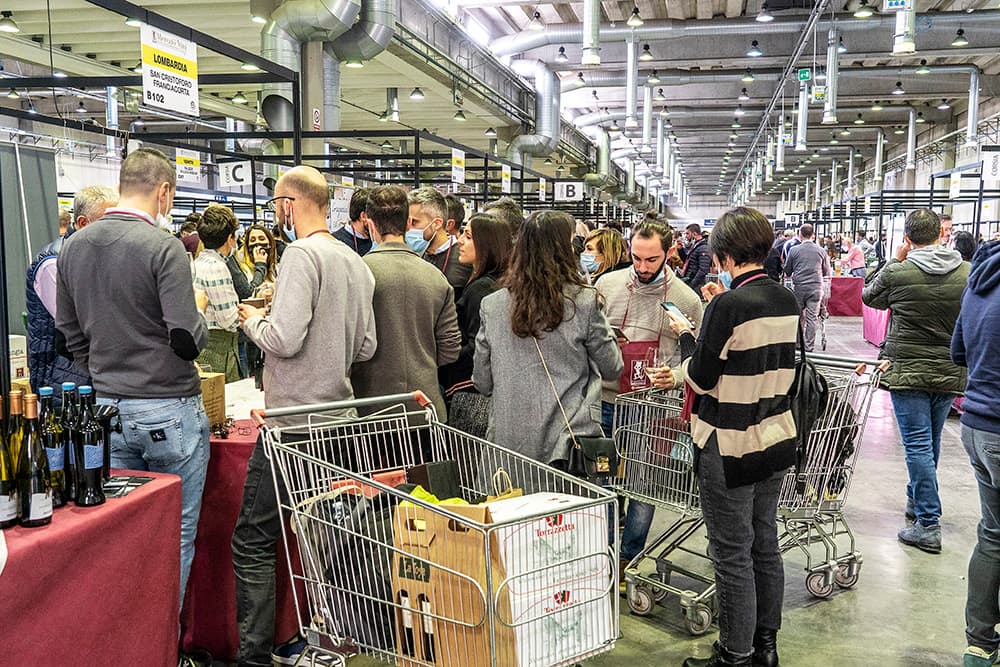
pixel 579 77
pixel 614 127
pixel 548 161
pixel 239 98
pixel 841 47
pixel 739 110
pixel 736 124
pixel 7 23
pixel 634 21
pixel 80 108
pixel 386 144
pixel 744 97
pixel 833 139
pixel 490 132
pixel 12 95
pixel 249 67
pixel 899 130
pixel 459 116
pixel 383 117
pixel 535 23
pixel 660 97
pixel 354 64
pixel 664 112
pixel 138 122
pixel 31 107
pixel 876 106
pixel 416 94
pixel 257 18
pixel 133 22
pixel 764 16
pixel 960 38
pixel 137 68
pixel 653 79
pixel 898 90
pixel 920 117
pixel 944 106
pixel 747 76
pixel 561 57
pixel 754 51
pixel 864 11
pixel 923 69
pixel 646 54
pixel 821 74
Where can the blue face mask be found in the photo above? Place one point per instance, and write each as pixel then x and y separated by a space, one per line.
pixel 588 262
pixel 415 239
pixel 289 226
pixel 726 279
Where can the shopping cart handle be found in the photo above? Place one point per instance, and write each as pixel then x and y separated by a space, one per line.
pixel 421 399
pixel 257 417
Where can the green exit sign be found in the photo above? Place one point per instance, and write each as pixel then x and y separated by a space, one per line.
pixel 805 74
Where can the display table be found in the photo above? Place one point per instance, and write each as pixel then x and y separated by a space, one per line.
pixel 98 584
pixel 875 324
pixel 209 616
pixel 845 296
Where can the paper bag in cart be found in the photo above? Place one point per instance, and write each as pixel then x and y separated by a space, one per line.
pixel 440 568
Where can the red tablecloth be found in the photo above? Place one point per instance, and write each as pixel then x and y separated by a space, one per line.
pixel 98 584
pixel 845 296
pixel 209 616
pixel 875 324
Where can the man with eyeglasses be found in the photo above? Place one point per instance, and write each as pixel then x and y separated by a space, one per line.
pixel 321 323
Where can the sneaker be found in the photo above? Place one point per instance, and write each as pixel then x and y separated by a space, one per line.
pixel 925 538
pixel 911 512
pixel 289 652
pixel 977 657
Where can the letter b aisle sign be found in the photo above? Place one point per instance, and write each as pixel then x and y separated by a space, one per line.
pixel 569 191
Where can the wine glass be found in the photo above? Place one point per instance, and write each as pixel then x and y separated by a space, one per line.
pixel 656 361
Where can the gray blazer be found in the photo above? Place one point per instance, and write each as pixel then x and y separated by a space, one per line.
pixel 579 353
pixel 416 325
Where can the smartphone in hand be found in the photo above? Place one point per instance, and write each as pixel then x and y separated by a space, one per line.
pixel 671 308
pixel 619 333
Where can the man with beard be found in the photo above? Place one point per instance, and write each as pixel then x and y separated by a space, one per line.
pixel 632 300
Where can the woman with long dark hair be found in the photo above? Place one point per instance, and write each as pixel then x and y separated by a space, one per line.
pixel 544 346
pixel 741 369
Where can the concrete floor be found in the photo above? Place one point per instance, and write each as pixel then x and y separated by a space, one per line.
pixel 908 606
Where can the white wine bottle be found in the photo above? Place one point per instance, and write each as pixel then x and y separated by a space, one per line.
pixel 8 482
pixel 55 445
pixel 34 486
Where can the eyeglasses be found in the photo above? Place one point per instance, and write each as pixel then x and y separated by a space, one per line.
pixel 272 204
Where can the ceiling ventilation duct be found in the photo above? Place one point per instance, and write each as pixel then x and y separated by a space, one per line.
pixel 591 33
pixel 647 118
pixel 600 179
pixel 832 77
pixel 547 102
pixel 779 149
pixel 263 147
pixel 911 141
pixel 660 138
pixel 631 82
pixel 802 122
pixel 879 159
pixel 904 40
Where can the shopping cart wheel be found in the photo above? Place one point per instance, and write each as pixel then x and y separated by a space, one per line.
pixel 641 600
pixel 817 584
pixel 699 620
pixel 847 574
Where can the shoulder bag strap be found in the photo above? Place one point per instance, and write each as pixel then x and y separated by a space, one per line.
pixel 556 394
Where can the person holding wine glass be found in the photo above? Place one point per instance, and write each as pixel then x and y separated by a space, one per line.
pixel 741 368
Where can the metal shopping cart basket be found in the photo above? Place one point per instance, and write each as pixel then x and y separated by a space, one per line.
pixel 810 504
pixel 655 447
pixel 523 581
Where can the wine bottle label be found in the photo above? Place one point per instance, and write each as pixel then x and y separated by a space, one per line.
pixel 41 506
pixel 72 452
pixel 57 458
pixel 93 456
pixel 8 507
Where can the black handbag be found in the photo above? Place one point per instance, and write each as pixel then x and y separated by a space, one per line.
pixel 592 458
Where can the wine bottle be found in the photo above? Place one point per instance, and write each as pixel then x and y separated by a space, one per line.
pixel 15 425
pixel 88 441
pixel 8 482
pixel 68 419
pixel 55 445
pixel 34 488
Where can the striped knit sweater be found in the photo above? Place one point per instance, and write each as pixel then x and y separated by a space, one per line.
pixel 741 370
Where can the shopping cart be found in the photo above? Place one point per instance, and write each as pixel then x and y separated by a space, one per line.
pixel 655 447
pixel 522 581
pixel 811 503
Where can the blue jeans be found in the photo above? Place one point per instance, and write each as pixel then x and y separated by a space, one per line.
pixel 257 532
pixel 921 416
pixel 167 435
pixel 638 515
pixel 981 607
pixel 743 542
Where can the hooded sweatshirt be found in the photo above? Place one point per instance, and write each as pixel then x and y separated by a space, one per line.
pixel 977 339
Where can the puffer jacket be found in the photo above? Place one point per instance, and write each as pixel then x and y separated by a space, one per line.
pixel 924 293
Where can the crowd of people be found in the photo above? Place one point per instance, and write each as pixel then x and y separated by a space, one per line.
pixel 481 313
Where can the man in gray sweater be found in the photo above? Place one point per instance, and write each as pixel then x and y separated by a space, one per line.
pixel 321 323
pixel 807 264
pixel 126 306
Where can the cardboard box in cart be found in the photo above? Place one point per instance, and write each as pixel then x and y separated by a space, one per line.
pixel 550 578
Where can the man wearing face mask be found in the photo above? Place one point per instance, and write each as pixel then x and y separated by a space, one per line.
pixel 217 230
pixel 128 310
pixel 426 236
pixel 632 300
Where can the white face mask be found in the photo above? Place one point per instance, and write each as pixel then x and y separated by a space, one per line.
pixel 162 221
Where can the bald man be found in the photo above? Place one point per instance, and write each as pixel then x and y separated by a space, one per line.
pixel 321 322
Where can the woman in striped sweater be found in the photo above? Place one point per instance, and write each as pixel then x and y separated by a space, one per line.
pixel 741 370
